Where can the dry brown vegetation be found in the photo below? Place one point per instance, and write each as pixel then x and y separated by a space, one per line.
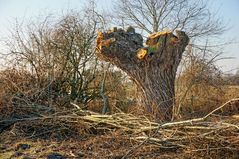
pixel 53 92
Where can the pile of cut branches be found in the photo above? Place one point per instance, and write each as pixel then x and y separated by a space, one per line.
pixel 211 134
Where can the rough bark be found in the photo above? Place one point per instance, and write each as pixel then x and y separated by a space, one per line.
pixel 152 67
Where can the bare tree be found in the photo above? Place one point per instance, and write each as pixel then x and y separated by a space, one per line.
pixel 60 54
pixel 193 17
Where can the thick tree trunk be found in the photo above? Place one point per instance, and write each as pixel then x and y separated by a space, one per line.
pixel 158 90
pixel 153 67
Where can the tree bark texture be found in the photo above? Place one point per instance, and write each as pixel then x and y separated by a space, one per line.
pixel 152 67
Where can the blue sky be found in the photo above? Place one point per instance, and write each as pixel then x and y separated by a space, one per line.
pixel 29 9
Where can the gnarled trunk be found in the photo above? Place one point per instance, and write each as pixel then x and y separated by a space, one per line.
pixel 153 67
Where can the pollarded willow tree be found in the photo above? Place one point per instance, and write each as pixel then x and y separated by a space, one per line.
pixel 152 67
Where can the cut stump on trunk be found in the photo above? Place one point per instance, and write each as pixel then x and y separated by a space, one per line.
pixel 152 67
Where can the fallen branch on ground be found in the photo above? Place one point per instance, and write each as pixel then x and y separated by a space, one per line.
pixel 186 134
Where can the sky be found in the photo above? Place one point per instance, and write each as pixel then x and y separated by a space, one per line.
pixel 10 10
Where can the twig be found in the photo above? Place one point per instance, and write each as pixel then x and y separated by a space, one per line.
pixel 170 124
pixel 135 147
